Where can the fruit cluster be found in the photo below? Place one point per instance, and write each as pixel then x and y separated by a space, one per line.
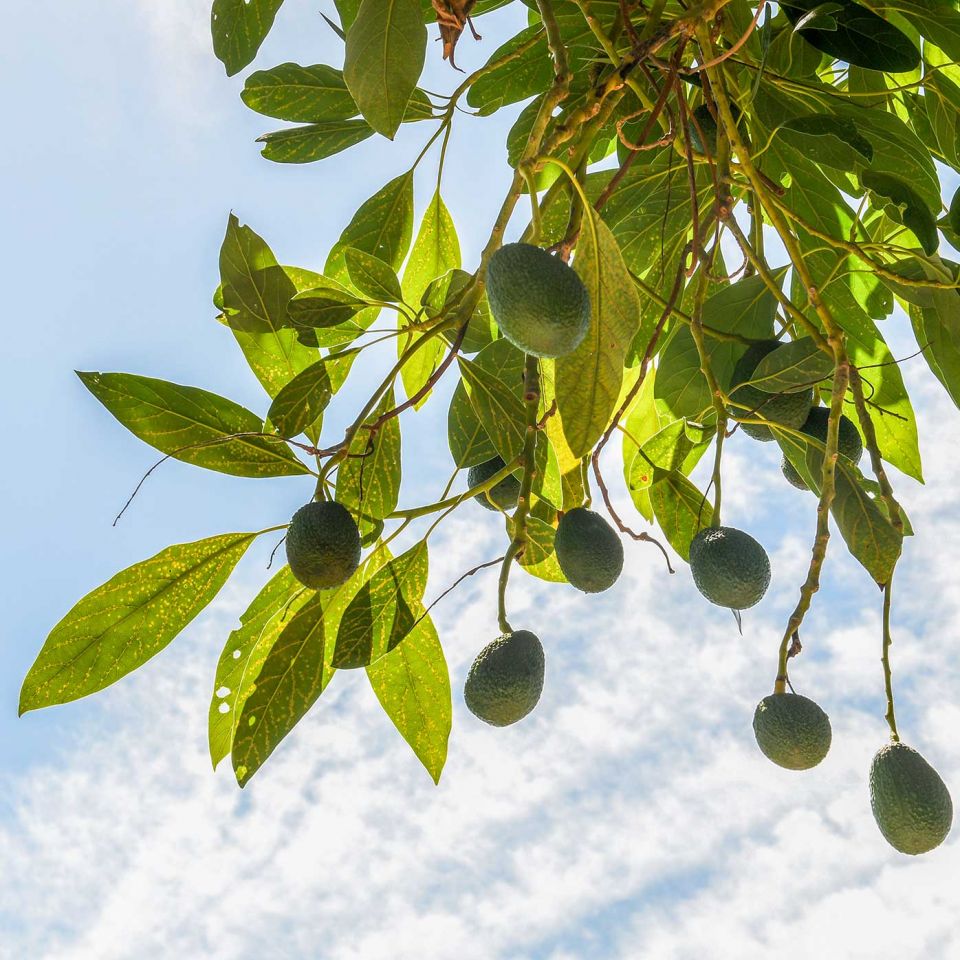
pixel 542 307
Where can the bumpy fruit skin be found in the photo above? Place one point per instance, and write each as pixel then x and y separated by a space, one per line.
pixel 729 567
pixel 789 409
pixel 539 303
pixel 910 802
pixel 792 730
pixel 323 544
pixel 589 551
pixel 849 443
pixel 506 679
pixel 503 495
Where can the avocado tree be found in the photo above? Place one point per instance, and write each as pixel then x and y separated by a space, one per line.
pixel 719 200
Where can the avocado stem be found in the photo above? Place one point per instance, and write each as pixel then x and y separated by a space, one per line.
pixel 531 400
pixel 890 715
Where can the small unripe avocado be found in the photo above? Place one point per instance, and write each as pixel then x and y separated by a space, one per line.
pixel 323 544
pixel 792 731
pixel 539 303
pixel 849 444
pixel 729 567
pixel 589 551
pixel 910 802
pixel 503 495
pixel 789 409
pixel 506 679
pixel 708 126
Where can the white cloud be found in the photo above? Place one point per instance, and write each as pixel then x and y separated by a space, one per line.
pixel 631 815
pixel 181 56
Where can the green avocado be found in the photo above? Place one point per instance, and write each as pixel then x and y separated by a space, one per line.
pixel 539 303
pixel 849 443
pixel 910 802
pixel 729 567
pixel 501 496
pixel 589 551
pixel 788 409
pixel 792 731
pixel 323 544
pixel 506 679
pixel 708 126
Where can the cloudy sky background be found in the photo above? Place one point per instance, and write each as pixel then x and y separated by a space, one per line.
pixel 630 816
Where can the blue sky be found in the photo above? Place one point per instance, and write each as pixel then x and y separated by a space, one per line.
pixel 631 816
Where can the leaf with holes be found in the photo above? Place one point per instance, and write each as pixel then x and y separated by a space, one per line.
pixel 239 27
pixel 294 674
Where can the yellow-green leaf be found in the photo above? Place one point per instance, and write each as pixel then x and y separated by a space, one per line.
pixel 588 380
pixel 129 619
pixel 193 425
pixel 412 684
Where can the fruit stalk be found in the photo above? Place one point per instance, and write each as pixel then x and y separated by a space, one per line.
pixel 811 585
pixel 890 716
pixel 696 330
pixel 531 400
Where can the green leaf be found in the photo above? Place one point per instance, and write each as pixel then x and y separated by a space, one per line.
pixel 937 329
pixel 193 425
pixel 903 204
pixel 863 524
pixel 260 625
pixel 937 20
pixel 256 291
pixel 324 306
pixel 239 27
pixel 435 253
pixel 746 307
pixel 519 78
pixel 667 448
pixel 834 141
pixel 469 441
pixel 442 293
pixel 384 611
pixel 681 510
pixel 412 684
pixel 302 401
pixel 868 533
pixel 289 91
pixel 371 276
pixel 385 52
pixel 294 674
pixel 856 36
pixel 126 621
pixel 497 406
pixel 314 142
pixel 589 379
pixel 247 649
pixel 650 213
pixel 941 102
pixel 382 226
pixel 368 481
pixel 792 368
pixel 521 129
pixel 889 409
